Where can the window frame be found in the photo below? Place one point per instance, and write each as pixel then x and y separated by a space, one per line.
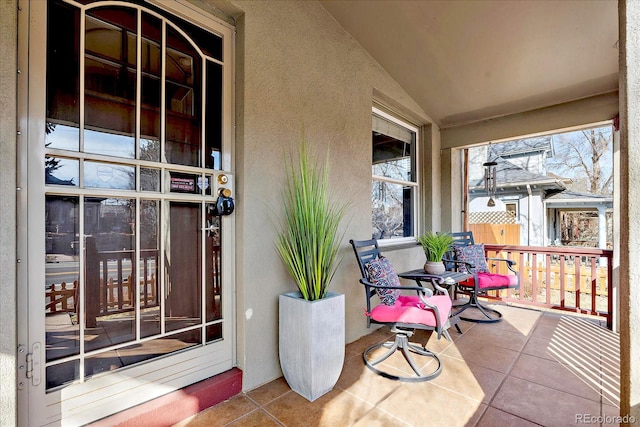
pixel 414 183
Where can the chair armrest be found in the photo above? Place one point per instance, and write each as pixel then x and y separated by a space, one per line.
pixel 419 289
pixel 455 261
pixel 508 261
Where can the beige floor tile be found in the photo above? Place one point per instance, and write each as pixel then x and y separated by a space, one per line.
pixel 539 347
pixel 258 418
pixel 396 364
pixel 483 353
pixel 470 380
pixel 425 404
pixel 378 418
pixel 221 414
pixel 360 381
pixel 335 408
pixel 494 417
pixel 583 382
pixel 540 404
pixel 360 345
pixel 509 339
pixel 544 331
pixel 270 391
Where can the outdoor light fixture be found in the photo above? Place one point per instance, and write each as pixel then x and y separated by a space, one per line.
pixel 490 181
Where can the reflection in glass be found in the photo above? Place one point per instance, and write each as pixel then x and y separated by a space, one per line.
pixel 61 171
pixel 150 88
pixel 109 144
pixel 109 279
pixel 63 373
pixel 183 87
pixel 213 108
pixel 61 137
pixel 149 268
pixel 63 76
pixel 139 352
pixel 183 269
pixel 214 332
pixel 109 175
pixel 62 275
pixel 392 210
pixel 150 149
pixel 110 81
pixel 213 267
pixel 149 179
pixel 393 150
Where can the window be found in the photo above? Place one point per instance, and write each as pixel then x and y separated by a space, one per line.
pixel 394 185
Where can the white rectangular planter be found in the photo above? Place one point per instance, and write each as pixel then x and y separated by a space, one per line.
pixel 311 342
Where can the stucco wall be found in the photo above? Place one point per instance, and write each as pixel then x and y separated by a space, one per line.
pixel 629 209
pixel 8 66
pixel 300 73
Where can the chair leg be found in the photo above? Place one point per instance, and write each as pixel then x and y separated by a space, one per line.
pixel 402 343
pixel 486 311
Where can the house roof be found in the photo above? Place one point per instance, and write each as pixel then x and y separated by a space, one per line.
pixel 574 199
pixel 468 61
pixel 520 146
pixel 510 175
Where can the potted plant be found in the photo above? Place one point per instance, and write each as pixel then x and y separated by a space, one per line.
pixel 312 327
pixel 435 246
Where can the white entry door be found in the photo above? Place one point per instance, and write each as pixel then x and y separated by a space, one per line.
pixel 127 284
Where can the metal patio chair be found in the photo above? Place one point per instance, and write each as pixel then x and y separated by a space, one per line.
pixel 467 256
pixel 402 313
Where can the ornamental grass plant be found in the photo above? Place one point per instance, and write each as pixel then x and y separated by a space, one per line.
pixel 435 245
pixel 308 240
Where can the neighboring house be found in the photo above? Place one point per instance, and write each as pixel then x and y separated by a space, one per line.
pixel 536 197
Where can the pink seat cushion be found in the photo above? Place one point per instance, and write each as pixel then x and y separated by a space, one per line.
pixel 409 309
pixel 492 281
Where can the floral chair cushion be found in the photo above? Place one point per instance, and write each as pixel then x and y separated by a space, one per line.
pixel 474 255
pixel 382 273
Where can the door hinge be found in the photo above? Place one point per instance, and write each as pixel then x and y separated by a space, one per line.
pixel 29 366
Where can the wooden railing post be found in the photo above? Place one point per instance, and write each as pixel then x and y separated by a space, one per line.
pixel 91 283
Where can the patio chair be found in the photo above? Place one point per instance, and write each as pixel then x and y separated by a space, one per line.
pixel 402 313
pixel 467 256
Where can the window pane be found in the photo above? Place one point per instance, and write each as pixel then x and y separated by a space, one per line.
pixel 62 275
pixel 183 87
pixel 63 81
pixel 109 290
pixel 183 266
pixel 61 171
pixel 110 81
pixel 151 88
pixel 393 150
pixel 107 175
pixel 149 267
pixel 392 214
pixel 213 107
pixel 149 179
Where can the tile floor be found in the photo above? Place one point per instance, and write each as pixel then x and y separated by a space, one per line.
pixel 533 368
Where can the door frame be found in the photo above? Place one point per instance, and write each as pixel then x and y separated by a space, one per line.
pixel 79 403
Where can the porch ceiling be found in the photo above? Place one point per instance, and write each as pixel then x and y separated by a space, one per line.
pixel 465 61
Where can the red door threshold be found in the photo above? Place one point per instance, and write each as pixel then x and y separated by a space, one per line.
pixel 178 405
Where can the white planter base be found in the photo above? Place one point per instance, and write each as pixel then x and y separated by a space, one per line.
pixel 312 341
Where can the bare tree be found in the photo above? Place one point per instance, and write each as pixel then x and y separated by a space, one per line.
pixel 586 156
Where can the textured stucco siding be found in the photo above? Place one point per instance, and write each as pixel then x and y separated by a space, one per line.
pixel 8 67
pixel 299 73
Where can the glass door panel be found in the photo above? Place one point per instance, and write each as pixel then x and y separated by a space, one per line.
pixel 110 282
pixel 149 268
pixel 183 87
pixel 183 265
